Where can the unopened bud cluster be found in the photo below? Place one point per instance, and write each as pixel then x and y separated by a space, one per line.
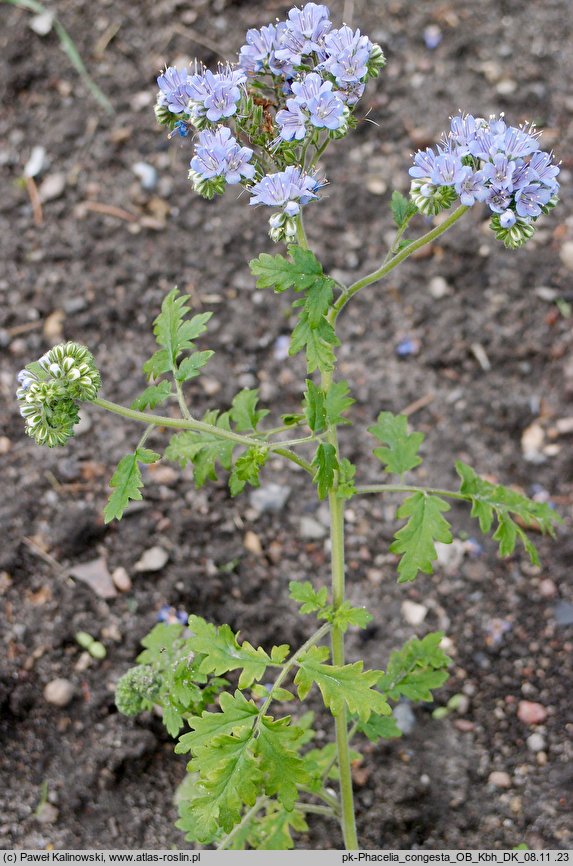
pixel 50 390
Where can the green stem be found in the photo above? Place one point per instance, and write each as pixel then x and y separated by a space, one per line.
pixel 348 821
pixel 408 488
pixel 317 810
pixel 395 261
pixel 199 427
pixel 288 666
pixel 224 843
pixel 300 232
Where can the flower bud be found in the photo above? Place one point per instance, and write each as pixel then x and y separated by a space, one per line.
pixel 512 236
pixel 429 198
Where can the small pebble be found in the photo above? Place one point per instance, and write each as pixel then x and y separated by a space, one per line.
pixel 432 36
pixel 59 692
pixel 281 347
pixel 152 560
pixel 563 612
pixel 376 185
pixel 311 528
pixel 52 187
pixel 37 162
pixel 404 717
pixel 42 23
pixel 146 173
pixel 121 579
pixel 413 613
pixel 47 814
pixel 547 588
pixel 438 287
pixel 546 293
pixel 536 742
pixel 210 386
pixel 269 498
pixel 566 255
pixel 407 347
pixel 499 779
pixel 252 543
pixel 531 713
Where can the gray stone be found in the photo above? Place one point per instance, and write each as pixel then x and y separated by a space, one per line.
pixel 404 717
pixel 536 742
pixel 563 612
pixel 269 498
pixel 311 528
pixel 152 560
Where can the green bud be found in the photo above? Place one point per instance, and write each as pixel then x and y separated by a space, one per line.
pixel 164 116
pixel 376 61
pixel 49 391
pixel 514 237
pixel 136 690
pixel 207 188
pixel 431 199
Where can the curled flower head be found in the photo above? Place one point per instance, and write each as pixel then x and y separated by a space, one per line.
pixel 50 390
pixel 487 160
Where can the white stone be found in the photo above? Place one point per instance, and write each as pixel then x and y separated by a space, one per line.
pixel 152 560
pixel 413 613
pixel 59 692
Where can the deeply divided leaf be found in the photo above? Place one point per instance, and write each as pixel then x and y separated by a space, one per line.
pixel 416 669
pixel 279 273
pixel 127 482
pixel 400 448
pixel 416 540
pixel 325 464
pixel 341 685
pixel 402 208
pixel 506 505
pixel 222 652
pixel 244 413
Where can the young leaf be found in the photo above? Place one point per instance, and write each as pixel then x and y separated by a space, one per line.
pixel 280 274
pixel 346 615
pixel 230 778
pixel 246 469
pixel 322 763
pixel 191 367
pixel 340 685
pixel 244 413
pixel 416 669
pixel 402 208
pixel 281 766
pixel 489 500
pixel 272 831
pixel 400 451
pixel 318 300
pixel 237 715
pixel 224 653
pixel 305 595
pixel 314 408
pixel 326 464
pixel 127 482
pixel 203 450
pixel 318 343
pixel 337 402
pixel 346 472
pixel 152 396
pixel 380 728
pixel 416 540
pixel 174 333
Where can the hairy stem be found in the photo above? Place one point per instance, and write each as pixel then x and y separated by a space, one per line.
pixel 336 505
pixel 200 427
pixel 408 488
pixel 395 261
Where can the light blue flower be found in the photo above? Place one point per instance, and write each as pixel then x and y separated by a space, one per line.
pixel 326 110
pixel 530 199
pixel 173 87
pixel 292 121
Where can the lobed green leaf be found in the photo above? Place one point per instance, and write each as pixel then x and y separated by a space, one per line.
pixel 400 451
pixel 127 482
pixel 416 540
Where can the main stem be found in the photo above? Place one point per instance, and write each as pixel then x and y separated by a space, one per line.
pixel 336 505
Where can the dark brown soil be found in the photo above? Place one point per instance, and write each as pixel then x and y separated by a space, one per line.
pixel 110 779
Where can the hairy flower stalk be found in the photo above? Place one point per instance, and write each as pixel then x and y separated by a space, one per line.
pixel 262 124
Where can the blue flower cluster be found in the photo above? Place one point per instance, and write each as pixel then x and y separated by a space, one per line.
pixel 488 161
pixel 293 90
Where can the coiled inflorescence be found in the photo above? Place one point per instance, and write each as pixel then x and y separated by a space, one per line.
pixel 487 161
pixel 294 88
pixel 51 388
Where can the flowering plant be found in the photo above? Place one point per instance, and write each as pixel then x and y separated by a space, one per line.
pixel 264 124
